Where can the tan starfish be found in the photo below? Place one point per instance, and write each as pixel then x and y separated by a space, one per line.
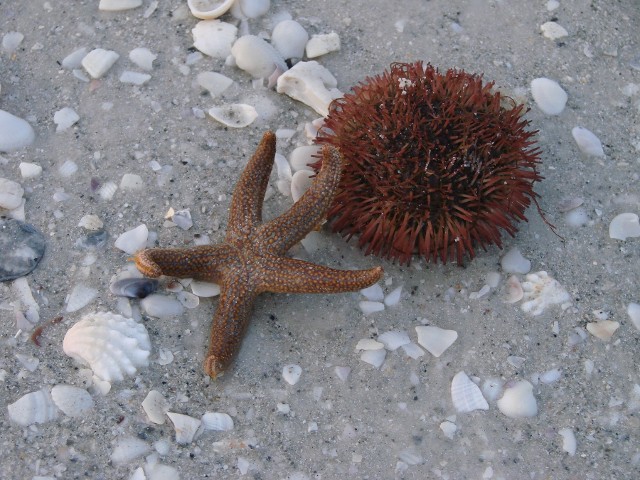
pixel 251 260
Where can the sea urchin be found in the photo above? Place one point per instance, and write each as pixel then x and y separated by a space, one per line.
pixel 435 164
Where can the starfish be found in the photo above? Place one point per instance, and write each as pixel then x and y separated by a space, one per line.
pixel 252 260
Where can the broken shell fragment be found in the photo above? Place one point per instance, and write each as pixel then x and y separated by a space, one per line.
pixel 186 427
pixel 623 226
pixel 209 9
pixel 518 401
pixel 466 395
pixel 34 407
pixel 21 249
pixel 436 340
pixel 98 62
pixel 257 57
pixel 217 421
pixel 235 115
pixel 214 38
pixel 155 406
pixel 73 401
pixel 311 84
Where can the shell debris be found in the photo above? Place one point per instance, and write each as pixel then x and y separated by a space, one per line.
pixel 435 340
pixel 518 400
pixel 466 395
pixel 186 427
pixel 291 374
pixel 541 291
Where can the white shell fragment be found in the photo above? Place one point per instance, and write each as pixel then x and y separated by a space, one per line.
pixel 393 297
pixel 15 133
pixel 34 407
pixel 300 183
pixel 302 157
pixel 412 350
pixel 342 372
pixel 367 307
pixel 518 400
pixel 112 345
pixel 65 118
pixel 254 8
pixel 68 168
pixel 10 194
pixel 74 59
pixel 553 30
pixel 155 406
pixel 215 83
pixel 185 426
pixel 466 395
pixel 209 9
pixel 11 41
pixel 369 344
pixel 569 443
pixel 217 421
pixel 291 374
pixel 235 115
pixel 80 297
pixel 256 57
pixel 118 5
pixel 162 306
pixel 587 142
pixel 603 329
pixel 129 448
pixel 374 357
pixel 29 170
pixel 205 289
pixel 131 181
pixel 133 240
pixel 540 291
pixel 311 84
pixel 435 340
pixel 448 428
pixel 322 44
pixel 513 291
pixel 143 58
pixel 373 293
pixel 624 225
pixel 98 62
pixel 394 339
pixel 214 38
pixel 633 310
pixel 548 95
pixel 134 78
pixel 514 262
pixel 91 222
pixel 289 38
pixel 73 401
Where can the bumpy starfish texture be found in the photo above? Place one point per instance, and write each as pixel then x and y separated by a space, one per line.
pixel 251 260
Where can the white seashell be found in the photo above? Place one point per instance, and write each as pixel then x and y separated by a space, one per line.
pixel 110 344
pixel 235 115
pixel 491 388
pixel 435 340
pixel 214 83
pixel 342 373
pixel 604 329
pixel 394 339
pixel 540 291
pixel 256 57
pixel 569 443
pixel 74 59
pixel 374 357
pixel 28 306
pixel 155 406
pixel 11 41
pixel 515 361
pixel 134 78
pixel 138 474
pixel 161 306
pixel 302 157
pixel 108 190
pixel 633 310
pixel 188 299
pixel 550 376
pixel 34 407
pixel 369 344
pixel 367 307
pixel 548 95
pixel 214 38
pixel 205 289
pixel 254 8
pixel 182 218
pixel 143 58
pixel 412 350
pixel 91 222
pixel 10 194
pixel 513 290
pixel 623 226
pixel 587 142
pixel 73 401
pixel 129 448
pixel 514 262
pixel 466 395
pixel 493 279
pixel 118 5
pixel 322 44
pixel 98 62
pixel 569 203
pixel 131 181
pixel 373 293
pixel 480 293
pixel 64 118
pixel 448 428
pixel 553 30
pixel 291 374
pixel 576 218
pixel 80 297
pixel 68 168
pixel 15 133
pixel 209 9
pixel 300 183
pixel 185 426
pixel 133 240
pixel 282 167
pixel 289 38
pixel 217 421
pixel 393 298
pixel 29 170
pixel 311 84
pixel 518 401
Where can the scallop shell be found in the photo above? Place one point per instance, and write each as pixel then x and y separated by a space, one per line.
pixel 112 345
pixel 466 395
pixel 217 421
pixel 235 115
pixel 34 407
pixel 73 401
pixel 208 9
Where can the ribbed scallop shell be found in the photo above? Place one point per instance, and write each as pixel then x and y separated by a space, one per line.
pixel 110 344
pixel 466 395
pixel 34 407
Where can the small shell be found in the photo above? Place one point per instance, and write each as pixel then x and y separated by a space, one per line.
pixel 118 5
pixel 188 299
pixel 143 58
pixel 367 307
pixel 209 9
pixel 321 44
pixel 569 443
pixel 514 262
pixel 64 119
pixel 254 8
pixel 214 83
pixel 548 95
pixel 587 142
pixel 108 190
pixel 10 193
pixel 289 38
pixel 112 345
pixel 80 297
pixel 21 248
pixel 162 306
pixel 300 183
pixel 257 57
pixel 393 297
pixel 15 133
pixel 73 401
pixel 97 62
pixel 134 287
pixel 518 401
pixel 91 222
pixel 186 427
pixel 569 203
pixel 513 290
pixel 221 422
pixel 93 240
pixel 624 225
pixel 235 115
pixel 393 340
pixel 302 157
pixel 34 407
pixel 129 448
pixel 373 293
pixel 291 374
pixel 369 344
pixel 374 357
pixel 205 289
pixel 435 340
pixel 604 329
pixel 214 38
pixel 155 406
pixel 133 240
pixel 466 395
pixel 633 310
pixel 311 84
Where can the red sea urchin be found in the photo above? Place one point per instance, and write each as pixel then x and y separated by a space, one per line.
pixel 434 164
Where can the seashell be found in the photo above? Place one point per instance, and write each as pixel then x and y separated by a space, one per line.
pixel 587 142
pixel 235 115
pixel 569 203
pixel 435 340
pixel 93 240
pixel 73 401
pixel 282 166
pixel 553 30
pixel 185 426
pixel 633 310
pixel 624 225
pixel 214 38
pixel 98 62
pixel 107 191
pixel 491 388
pixel 301 158
pixel 182 218
pixel 393 297
pixel 513 290
pixel 91 222
pixel 374 357
pixel 155 406
pixel 118 5
pixel 342 373
pixel 448 428
pixel 134 287
pixel 133 240
pixel 291 374
pixel 518 401
pixel 65 118
pixel 514 262
pixel 548 95
pixel 369 344
pixel 162 306
pixel 134 78
pixel 22 247
pixel 205 289
pixel 143 58
pixel 393 340
pixel 10 194
pixel 466 395
pixel 74 59
pixel 540 291
pixel 15 133
pixel 214 83
pixel 300 183
pixel 209 9
pixel 289 38
pixel 256 57
pixel 550 376
pixel 68 168
pixel 322 44
pixel 412 350
pixel 603 329
pixel 188 299
pixel 27 305
pixel 11 41
pixel 367 307
pixel 569 443
pixel 129 448
pixel 254 8
pixel 220 422
pixel 576 218
pixel 34 407
pixel 311 84
pixel 110 344
pixel 80 297
pixel 29 170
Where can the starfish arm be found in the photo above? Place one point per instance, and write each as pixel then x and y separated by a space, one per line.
pixel 245 211
pixel 204 262
pixel 229 323
pixel 289 275
pixel 283 232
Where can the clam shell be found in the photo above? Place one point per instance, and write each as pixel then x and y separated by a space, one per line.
pixel 235 115
pixel 217 421
pixel 289 38
pixel 186 427
pixel 73 401
pixel 155 406
pixel 208 9
pixel 214 38
pixel 134 287
pixel 587 142
pixel 21 249
pixel 257 57
pixel 34 407
pixel 466 395
pixel 112 345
